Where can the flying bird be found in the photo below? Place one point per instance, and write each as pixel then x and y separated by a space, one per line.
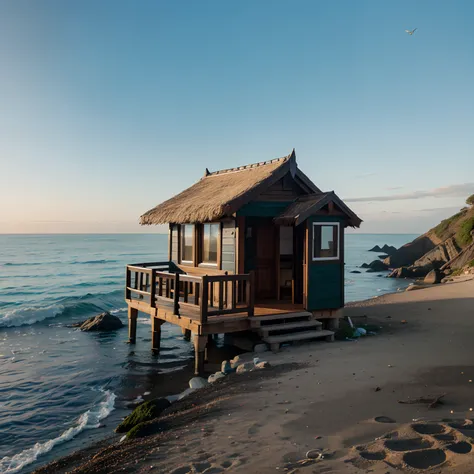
pixel 410 32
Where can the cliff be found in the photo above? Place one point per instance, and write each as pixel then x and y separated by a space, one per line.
pixel 447 246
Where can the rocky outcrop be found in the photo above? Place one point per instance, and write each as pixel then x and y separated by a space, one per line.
pixel 411 252
pixel 145 412
pixel 448 246
pixel 102 322
pixel 376 266
pixel 434 276
pixel 435 259
pixel 375 249
pixel 387 249
pixel 463 258
pixel 440 255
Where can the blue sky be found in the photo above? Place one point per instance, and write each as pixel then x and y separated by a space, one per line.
pixel 110 107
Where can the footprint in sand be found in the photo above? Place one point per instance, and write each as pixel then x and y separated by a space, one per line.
pixel 373 456
pixel 254 429
pixel 384 419
pixel 428 428
pixel 410 444
pixel 424 459
pixel 462 447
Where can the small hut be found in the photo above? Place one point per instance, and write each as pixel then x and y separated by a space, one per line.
pixel 260 241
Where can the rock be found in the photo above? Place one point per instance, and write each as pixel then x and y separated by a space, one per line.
pixel 355 271
pixel 218 375
pixel 197 383
pixel 102 322
pixel 364 265
pixel 376 266
pixel 245 367
pixel 415 287
pixel 259 348
pixel 146 428
pixel 382 257
pixel 145 412
pixel 185 393
pixel 409 253
pixel 263 365
pixel 376 249
pixel 401 272
pixel 226 367
pixel 388 249
pixel 235 362
pixel 434 276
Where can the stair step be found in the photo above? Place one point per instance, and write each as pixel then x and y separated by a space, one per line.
pixel 255 321
pixel 301 336
pixel 288 326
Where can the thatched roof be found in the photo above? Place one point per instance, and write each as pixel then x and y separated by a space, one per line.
pixel 305 206
pixel 222 193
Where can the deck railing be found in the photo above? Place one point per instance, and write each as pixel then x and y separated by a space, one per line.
pixel 159 284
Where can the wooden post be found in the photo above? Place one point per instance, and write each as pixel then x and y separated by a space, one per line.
pixel 128 283
pixel 156 334
pixel 251 294
pixel 199 353
pixel 153 289
pixel 176 294
pixel 186 334
pixel 132 324
pixel 204 299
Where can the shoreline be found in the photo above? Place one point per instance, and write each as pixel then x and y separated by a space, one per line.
pixel 403 361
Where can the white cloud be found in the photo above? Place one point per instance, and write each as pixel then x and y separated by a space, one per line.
pixel 454 190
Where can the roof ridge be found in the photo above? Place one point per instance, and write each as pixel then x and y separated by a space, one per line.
pixel 249 166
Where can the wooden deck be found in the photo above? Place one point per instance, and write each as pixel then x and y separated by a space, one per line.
pixel 200 305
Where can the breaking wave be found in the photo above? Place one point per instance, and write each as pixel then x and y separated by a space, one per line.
pixel 70 307
pixel 88 420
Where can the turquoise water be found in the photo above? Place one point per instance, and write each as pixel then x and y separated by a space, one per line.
pixel 58 385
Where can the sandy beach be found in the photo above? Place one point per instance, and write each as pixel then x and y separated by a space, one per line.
pixel 340 399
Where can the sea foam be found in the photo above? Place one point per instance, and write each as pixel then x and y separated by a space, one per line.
pixel 29 315
pixel 88 420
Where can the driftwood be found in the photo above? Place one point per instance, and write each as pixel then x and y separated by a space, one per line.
pixel 432 402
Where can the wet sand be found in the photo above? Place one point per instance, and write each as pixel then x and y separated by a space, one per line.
pixel 335 398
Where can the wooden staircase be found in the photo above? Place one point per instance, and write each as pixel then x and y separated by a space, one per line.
pixel 277 329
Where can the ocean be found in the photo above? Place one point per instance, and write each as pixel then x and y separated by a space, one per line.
pixel 60 388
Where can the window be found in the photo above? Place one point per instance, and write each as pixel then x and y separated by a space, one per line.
pixel 187 243
pixel 210 236
pixel 325 241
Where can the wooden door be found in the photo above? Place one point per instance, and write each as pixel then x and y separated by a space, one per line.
pixel 266 259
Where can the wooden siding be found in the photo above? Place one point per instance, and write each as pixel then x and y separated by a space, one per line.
pixel 325 279
pixel 228 246
pixel 285 189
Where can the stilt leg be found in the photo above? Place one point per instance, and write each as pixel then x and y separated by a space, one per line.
pixel 156 334
pixel 333 324
pixel 186 334
pixel 199 353
pixel 132 325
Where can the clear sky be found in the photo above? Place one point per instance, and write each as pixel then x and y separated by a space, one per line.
pixel 109 107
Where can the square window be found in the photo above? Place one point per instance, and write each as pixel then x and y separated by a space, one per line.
pixel 210 236
pixel 325 241
pixel 187 243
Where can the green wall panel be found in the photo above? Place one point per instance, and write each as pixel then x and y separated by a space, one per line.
pixel 263 209
pixel 326 278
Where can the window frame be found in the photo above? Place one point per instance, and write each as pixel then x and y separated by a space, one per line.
pixel 182 234
pixel 201 262
pixel 338 252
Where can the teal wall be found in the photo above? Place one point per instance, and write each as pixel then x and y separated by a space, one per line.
pixel 325 278
pixel 263 209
